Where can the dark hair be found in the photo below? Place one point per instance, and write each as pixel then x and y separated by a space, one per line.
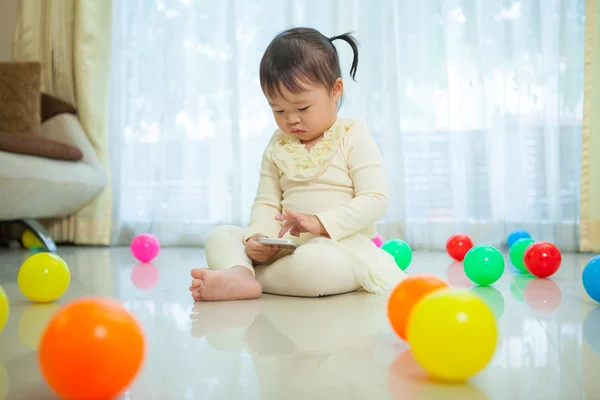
pixel 303 55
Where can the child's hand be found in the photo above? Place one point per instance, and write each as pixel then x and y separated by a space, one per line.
pixel 297 223
pixel 260 252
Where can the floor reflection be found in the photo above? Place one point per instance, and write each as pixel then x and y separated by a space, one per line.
pixel 493 298
pixel 455 273
pixel 145 276
pixel 591 329
pixel 340 347
pixel 541 294
pixel 407 380
pixel 33 321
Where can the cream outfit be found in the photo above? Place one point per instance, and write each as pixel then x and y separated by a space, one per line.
pixel 342 181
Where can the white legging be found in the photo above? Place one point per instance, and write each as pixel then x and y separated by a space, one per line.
pixel 316 268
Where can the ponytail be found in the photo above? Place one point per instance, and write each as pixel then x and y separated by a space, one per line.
pixel 348 38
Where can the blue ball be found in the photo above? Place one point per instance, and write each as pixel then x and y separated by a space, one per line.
pixel 591 278
pixel 516 235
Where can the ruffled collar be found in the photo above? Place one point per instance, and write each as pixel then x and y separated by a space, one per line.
pixel 299 164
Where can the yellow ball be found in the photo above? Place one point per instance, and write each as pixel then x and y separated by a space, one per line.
pixel 4 308
pixel 452 334
pixel 44 277
pixel 29 240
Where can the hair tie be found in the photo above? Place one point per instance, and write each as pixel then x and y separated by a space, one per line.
pixel 331 39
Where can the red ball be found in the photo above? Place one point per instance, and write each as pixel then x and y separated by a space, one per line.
pixel 458 245
pixel 542 259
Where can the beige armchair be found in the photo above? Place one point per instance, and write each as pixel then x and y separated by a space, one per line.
pixel 33 187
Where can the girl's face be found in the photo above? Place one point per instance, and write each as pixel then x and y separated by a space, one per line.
pixel 309 113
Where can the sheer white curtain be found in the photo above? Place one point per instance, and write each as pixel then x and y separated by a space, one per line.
pixel 476 105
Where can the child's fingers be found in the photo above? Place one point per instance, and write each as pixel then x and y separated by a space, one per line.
pixel 306 225
pixel 286 227
pixel 294 215
pixel 252 244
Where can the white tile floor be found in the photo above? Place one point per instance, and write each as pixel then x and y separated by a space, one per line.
pixel 290 348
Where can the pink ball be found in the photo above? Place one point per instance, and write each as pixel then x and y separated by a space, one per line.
pixel 145 247
pixel 378 240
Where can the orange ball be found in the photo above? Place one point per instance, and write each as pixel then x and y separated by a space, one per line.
pixel 91 348
pixel 406 295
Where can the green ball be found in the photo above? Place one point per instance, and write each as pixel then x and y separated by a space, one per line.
pixel 401 252
pixel 37 249
pixel 484 265
pixel 517 252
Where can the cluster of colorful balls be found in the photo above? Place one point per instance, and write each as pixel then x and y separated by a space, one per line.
pixel 484 264
pixel 397 248
pixel 539 258
pixel 452 333
pixel 85 339
pixel 543 259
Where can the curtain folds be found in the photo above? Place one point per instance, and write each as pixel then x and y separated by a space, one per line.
pixel 476 106
pixel 71 38
pixel 590 162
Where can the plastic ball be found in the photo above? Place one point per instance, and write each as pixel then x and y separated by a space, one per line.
pixel 377 241
pixel 406 295
pixel 542 259
pixel 516 235
pixel 458 245
pixel 4 308
pixel 35 250
pixel 400 250
pixel 591 278
pixel 91 346
pixel 29 240
pixel 44 277
pixel 517 252
pixel 145 247
pixel 453 334
pixel 484 265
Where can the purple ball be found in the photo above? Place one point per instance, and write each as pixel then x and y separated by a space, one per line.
pixel 145 247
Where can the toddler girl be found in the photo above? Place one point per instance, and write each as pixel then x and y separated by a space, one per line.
pixel 322 183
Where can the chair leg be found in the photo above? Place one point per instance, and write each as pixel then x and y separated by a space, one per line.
pixel 40 232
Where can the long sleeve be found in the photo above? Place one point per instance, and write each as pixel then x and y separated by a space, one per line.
pixel 267 204
pixel 370 187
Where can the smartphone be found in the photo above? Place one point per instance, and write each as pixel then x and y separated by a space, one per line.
pixel 283 243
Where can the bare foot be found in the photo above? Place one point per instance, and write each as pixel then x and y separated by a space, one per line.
pixel 237 283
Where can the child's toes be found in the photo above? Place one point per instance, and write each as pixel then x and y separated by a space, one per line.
pixel 196 283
